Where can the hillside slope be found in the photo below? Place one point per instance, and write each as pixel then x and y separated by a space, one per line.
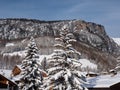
pixel 92 40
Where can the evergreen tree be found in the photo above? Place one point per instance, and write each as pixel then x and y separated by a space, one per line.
pixel 63 71
pixel 31 74
pixel 65 41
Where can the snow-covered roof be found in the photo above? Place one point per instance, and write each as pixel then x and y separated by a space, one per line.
pixel 102 81
pixel 8 79
pixel 5 73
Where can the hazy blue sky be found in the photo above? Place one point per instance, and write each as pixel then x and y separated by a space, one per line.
pixel 105 12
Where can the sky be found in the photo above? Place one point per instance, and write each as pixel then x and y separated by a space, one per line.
pixel 104 12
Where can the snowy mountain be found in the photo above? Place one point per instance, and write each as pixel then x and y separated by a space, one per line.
pixel 92 41
pixel 117 40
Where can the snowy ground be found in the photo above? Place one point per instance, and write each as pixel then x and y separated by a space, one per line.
pixel 9 44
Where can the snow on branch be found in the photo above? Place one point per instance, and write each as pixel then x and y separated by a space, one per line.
pixel 59 45
pixel 58 39
pixel 72 40
pixel 54 69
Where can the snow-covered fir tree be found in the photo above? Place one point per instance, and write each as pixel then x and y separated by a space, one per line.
pixel 65 42
pixel 63 71
pixel 31 74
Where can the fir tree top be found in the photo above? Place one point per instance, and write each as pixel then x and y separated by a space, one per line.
pixel 32 49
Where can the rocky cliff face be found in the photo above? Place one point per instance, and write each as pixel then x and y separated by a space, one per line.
pixel 86 32
pixel 89 35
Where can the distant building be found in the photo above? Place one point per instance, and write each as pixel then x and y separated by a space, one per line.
pixel 92 74
pixel 16 73
pixel 16 70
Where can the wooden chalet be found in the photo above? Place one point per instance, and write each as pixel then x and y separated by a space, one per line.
pixel 7 84
pixel 92 74
pixel 17 70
